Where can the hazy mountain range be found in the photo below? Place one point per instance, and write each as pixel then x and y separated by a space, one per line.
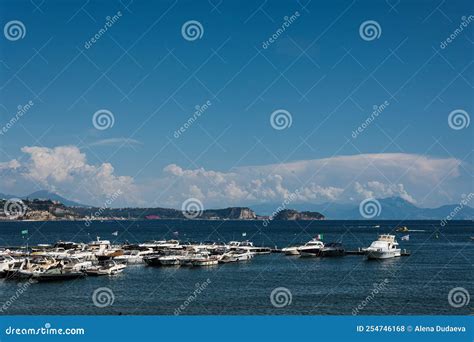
pixel 392 208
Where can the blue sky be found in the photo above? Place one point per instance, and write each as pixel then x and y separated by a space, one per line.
pixel 320 70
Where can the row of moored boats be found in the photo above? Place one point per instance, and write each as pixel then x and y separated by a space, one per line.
pixel 384 247
pixel 70 260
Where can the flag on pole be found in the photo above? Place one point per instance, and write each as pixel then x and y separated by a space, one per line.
pixel 115 233
pixel 24 232
pixel 405 237
pixel 319 236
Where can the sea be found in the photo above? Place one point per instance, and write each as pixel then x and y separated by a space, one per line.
pixel 436 279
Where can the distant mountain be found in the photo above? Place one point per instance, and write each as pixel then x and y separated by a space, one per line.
pixel 47 195
pixel 392 208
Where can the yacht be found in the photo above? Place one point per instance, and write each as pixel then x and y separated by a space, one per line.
pixel 311 248
pixel 108 267
pixel 333 249
pixel 384 247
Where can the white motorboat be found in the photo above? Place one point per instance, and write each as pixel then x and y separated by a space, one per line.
pixel 236 255
pixel 109 267
pixel 384 247
pixel 102 249
pixel 6 262
pixel 133 257
pixel 75 264
pixel 311 249
pixel 170 260
pixel 248 245
pixel 58 273
pixel 291 250
pixel 205 261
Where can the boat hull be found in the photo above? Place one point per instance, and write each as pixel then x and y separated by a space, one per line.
pixel 373 255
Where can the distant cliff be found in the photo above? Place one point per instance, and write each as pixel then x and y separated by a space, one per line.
pixel 291 215
pixel 234 213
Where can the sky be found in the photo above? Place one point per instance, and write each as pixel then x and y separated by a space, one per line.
pixel 237 102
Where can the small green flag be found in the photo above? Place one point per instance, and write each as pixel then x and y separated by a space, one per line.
pixel 24 232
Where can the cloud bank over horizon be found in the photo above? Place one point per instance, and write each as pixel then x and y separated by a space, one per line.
pixel 423 180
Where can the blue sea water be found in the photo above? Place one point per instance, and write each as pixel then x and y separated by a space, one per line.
pixel 441 260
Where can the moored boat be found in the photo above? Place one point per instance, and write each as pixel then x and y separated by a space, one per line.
pixel 384 247
pixel 333 249
pixel 108 267
pixel 311 249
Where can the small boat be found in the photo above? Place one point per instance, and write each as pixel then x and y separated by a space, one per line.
pixel 311 248
pixel 57 273
pixel 133 257
pixel 108 267
pixel 170 260
pixel 291 250
pixel 236 255
pixel 6 262
pixel 248 245
pixel 152 259
pixel 74 264
pixel 403 229
pixel 333 249
pixel 384 247
pixel 205 261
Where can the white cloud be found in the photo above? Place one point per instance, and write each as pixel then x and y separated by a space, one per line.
pixel 419 179
pixel 342 178
pixel 65 170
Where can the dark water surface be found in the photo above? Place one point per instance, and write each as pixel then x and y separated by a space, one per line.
pixel 442 259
